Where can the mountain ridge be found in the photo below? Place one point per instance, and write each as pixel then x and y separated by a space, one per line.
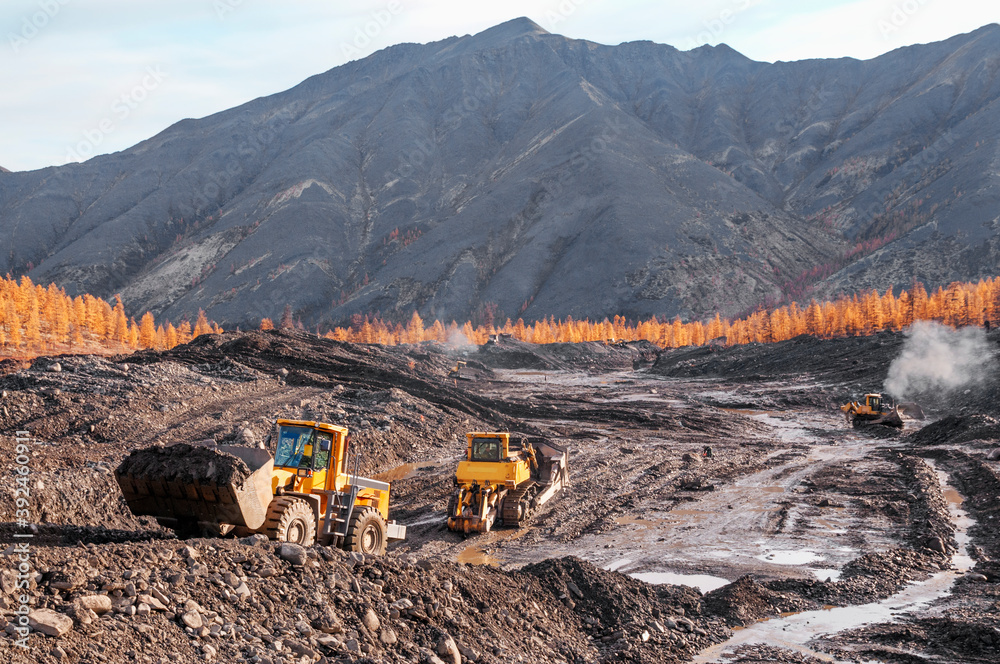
pixel 518 172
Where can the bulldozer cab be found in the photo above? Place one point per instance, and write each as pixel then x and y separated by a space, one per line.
pixel 488 448
pixel 874 402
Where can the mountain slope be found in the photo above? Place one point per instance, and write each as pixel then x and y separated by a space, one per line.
pixel 536 175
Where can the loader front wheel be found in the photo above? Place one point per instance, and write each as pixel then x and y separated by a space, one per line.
pixel 291 520
pixel 366 532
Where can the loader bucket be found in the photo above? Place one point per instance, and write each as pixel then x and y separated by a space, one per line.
pixel 208 485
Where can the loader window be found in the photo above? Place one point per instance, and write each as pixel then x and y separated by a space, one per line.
pixel 292 443
pixel 485 449
pixel 321 450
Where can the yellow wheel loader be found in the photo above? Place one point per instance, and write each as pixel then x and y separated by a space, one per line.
pixel 503 480
pixel 303 494
pixel 873 410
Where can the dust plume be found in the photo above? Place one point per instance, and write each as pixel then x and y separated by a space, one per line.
pixel 460 341
pixel 939 359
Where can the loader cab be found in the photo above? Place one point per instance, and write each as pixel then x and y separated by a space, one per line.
pixel 309 451
pixel 874 402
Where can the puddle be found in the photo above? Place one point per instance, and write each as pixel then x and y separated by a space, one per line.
pixel 703 582
pixel 794 632
pixel 617 565
pixel 633 520
pixel 803 557
pixel 473 555
pixel 405 471
pixel 438 519
pixel 824 574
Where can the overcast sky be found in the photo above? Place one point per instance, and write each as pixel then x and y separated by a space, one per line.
pixel 85 77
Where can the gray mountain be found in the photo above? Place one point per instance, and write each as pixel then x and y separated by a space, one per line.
pixel 529 174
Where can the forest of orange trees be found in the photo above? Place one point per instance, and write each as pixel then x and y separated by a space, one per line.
pixel 957 305
pixel 36 320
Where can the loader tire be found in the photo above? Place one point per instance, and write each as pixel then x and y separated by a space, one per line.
pixel 366 532
pixel 290 520
pixel 452 505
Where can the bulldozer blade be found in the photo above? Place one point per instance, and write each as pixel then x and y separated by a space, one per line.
pixel 911 410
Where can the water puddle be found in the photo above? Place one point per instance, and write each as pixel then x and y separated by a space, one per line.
pixel 439 518
pixel 703 582
pixel 827 574
pixel 795 631
pixel 802 557
pixel 473 555
pixel 405 471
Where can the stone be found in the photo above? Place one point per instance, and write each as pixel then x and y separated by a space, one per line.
pixel 468 653
pixel 935 544
pixel 387 637
pixel 49 622
pixel 55 367
pixel 370 620
pixel 97 603
pixel 192 619
pixel 293 553
pixel 208 651
pixel 976 577
pixel 160 595
pixel 152 602
pixel 352 645
pixel 448 650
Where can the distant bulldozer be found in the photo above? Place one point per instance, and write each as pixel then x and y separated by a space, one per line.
pixel 500 480
pixel 873 410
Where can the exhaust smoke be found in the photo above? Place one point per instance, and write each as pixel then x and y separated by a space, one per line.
pixel 939 359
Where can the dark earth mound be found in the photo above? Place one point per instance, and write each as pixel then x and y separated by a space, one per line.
pixel 185 463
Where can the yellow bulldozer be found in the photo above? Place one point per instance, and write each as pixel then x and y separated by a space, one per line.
pixel 303 494
pixel 504 480
pixel 873 410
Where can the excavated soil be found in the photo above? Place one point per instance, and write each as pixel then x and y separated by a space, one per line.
pixel 710 488
pixel 185 463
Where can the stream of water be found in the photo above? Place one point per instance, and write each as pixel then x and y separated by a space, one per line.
pixel 795 631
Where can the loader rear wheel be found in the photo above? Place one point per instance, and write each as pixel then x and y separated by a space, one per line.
pixel 366 532
pixel 290 520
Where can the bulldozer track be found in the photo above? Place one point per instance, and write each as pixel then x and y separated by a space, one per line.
pixel 517 505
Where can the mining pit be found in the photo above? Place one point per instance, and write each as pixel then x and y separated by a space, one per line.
pixel 720 508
